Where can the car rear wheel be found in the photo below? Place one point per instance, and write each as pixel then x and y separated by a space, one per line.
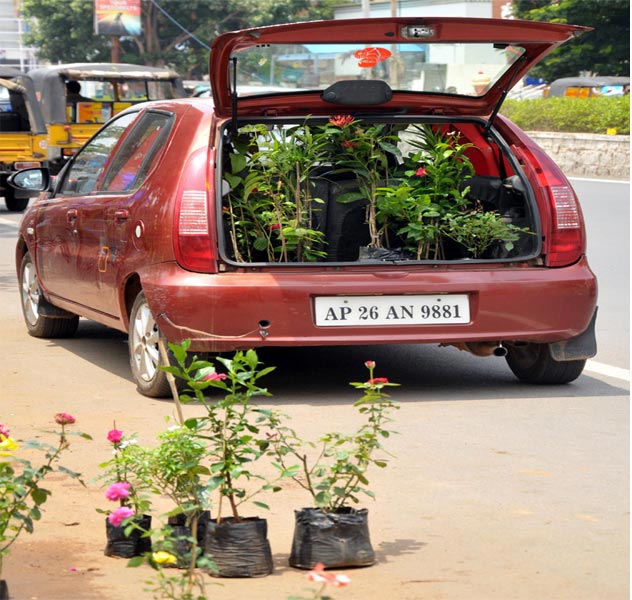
pixel 533 363
pixel 38 324
pixel 144 352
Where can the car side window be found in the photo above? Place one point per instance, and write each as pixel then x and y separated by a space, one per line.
pixel 138 153
pixel 84 172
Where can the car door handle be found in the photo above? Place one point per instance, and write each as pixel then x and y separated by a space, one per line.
pixel 121 215
pixel 71 215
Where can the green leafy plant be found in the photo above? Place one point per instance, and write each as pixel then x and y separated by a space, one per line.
pixel 127 476
pixel 334 468
pixel 174 467
pixel 233 429
pixel 21 491
pixel 430 185
pixel 366 151
pixel 477 230
pixel 271 207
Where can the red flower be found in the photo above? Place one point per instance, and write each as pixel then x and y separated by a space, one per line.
pixel 421 172
pixel 115 436
pixel 349 144
pixel 370 364
pixel 342 120
pixel 274 226
pixel 64 419
pixel 378 381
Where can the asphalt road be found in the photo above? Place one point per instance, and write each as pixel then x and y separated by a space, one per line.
pixel 496 490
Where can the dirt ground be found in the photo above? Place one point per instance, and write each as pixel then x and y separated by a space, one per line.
pixel 489 497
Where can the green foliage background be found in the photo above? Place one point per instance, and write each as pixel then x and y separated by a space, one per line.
pixel 576 115
pixel 603 51
pixel 63 30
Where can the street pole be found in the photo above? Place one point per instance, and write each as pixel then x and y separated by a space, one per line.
pixel 116 49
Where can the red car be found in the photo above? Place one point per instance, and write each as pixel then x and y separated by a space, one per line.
pixel 362 188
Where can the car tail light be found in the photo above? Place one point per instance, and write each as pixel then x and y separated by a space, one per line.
pixel 193 240
pixel 18 166
pixel 564 234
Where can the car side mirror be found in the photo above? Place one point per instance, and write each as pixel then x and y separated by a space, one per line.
pixel 34 180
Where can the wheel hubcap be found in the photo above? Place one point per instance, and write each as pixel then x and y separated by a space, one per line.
pixel 30 294
pixel 145 344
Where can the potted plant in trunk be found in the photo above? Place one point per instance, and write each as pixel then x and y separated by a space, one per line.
pixel 271 210
pixel 430 201
pixel 333 471
pixel 234 432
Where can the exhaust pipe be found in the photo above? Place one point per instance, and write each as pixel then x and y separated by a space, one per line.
pixel 481 348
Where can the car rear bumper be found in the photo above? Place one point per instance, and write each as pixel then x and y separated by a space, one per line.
pixel 228 311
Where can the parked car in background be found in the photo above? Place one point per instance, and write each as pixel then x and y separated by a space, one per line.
pixel 22 133
pixel 384 201
pixel 105 90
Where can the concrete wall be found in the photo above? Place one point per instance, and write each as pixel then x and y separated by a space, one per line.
pixel 587 155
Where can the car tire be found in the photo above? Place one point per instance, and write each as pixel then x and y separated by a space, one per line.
pixel 37 324
pixel 144 352
pixel 533 363
pixel 14 204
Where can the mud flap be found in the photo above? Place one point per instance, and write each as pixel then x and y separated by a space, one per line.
pixel 578 348
pixel 46 309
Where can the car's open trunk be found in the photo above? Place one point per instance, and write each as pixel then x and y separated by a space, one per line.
pixel 397 189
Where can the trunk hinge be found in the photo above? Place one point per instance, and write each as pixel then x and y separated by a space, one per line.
pixel 496 110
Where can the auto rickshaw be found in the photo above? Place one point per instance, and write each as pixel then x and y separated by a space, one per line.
pixel 22 133
pixel 106 90
pixel 587 87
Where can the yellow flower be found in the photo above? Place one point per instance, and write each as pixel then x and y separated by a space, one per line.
pixel 164 558
pixel 7 445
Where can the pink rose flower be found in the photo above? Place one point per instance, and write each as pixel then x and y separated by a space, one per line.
pixel 116 517
pixel 421 172
pixel 64 419
pixel 378 381
pixel 118 491
pixel 370 364
pixel 215 376
pixel 318 575
pixel 4 431
pixel 115 436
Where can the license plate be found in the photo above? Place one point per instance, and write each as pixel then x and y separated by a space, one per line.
pixel 336 311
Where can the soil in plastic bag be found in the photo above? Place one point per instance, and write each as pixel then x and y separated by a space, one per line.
pixel 239 549
pixel 118 544
pixel 181 533
pixel 338 539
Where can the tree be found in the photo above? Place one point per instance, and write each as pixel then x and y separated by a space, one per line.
pixel 177 33
pixel 603 51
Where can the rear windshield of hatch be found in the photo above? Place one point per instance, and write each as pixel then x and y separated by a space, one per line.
pixel 445 68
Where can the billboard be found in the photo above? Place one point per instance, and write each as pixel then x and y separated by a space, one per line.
pixel 117 17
